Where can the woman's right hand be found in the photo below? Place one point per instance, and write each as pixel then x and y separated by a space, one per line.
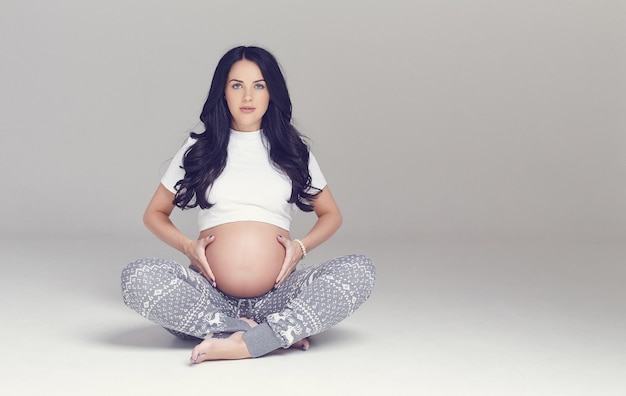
pixel 195 250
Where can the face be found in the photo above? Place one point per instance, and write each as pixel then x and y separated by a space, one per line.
pixel 246 95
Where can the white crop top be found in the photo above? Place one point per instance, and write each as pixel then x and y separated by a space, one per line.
pixel 250 188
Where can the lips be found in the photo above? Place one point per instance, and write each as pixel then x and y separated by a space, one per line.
pixel 247 109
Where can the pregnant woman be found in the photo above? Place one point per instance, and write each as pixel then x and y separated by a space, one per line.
pixel 249 170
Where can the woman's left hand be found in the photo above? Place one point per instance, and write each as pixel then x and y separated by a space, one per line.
pixel 293 254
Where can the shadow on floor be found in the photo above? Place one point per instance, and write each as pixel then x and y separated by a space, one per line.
pixel 149 336
pixel 153 336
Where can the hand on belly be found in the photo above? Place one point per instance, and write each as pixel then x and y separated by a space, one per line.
pixel 245 257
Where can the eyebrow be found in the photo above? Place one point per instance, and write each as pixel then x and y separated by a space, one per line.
pixel 234 79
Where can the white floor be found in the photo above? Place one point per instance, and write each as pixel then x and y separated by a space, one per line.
pixel 444 319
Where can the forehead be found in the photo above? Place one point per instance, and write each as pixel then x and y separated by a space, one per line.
pixel 245 70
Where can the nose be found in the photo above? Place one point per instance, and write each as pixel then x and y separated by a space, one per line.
pixel 248 96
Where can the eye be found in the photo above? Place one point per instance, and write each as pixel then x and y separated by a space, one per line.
pixel 259 86
pixel 236 86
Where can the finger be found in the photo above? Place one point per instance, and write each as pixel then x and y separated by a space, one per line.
pixel 282 273
pixel 206 241
pixel 288 245
pixel 288 272
pixel 283 241
pixel 209 275
pixel 288 267
pixel 280 277
pixel 206 268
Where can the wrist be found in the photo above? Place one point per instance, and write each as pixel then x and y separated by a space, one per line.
pixel 302 248
pixel 186 245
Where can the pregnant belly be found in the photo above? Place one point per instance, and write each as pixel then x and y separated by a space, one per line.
pixel 245 257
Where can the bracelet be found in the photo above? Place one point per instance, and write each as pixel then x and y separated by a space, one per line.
pixel 301 247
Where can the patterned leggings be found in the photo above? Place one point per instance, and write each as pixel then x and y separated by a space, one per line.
pixel 310 301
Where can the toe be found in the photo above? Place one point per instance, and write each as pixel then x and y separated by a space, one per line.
pixel 303 344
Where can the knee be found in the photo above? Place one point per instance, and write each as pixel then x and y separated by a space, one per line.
pixel 144 278
pixel 133 271
pixel 365 264
pixel 364 270
pixel 356 269
pixel 131 277
pixel 142 272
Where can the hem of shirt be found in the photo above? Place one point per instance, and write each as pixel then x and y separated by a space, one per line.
pixel 205 227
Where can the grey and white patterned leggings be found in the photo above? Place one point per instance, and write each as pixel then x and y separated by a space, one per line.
pixel 311 300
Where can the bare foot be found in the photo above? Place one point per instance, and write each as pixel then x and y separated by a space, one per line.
pixel 303 344
pixel 232 347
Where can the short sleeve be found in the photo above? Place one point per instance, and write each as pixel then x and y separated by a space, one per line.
pixel 318 181
pixel 175 171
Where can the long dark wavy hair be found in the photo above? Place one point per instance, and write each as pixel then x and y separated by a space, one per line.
pixel 205 160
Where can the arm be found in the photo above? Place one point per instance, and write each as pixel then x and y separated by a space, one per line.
pixel 157 219
pixel 329 220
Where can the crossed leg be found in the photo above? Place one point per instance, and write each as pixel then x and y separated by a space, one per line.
pixel 230 348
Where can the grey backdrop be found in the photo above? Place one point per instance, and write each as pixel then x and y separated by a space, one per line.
pixel 431 119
